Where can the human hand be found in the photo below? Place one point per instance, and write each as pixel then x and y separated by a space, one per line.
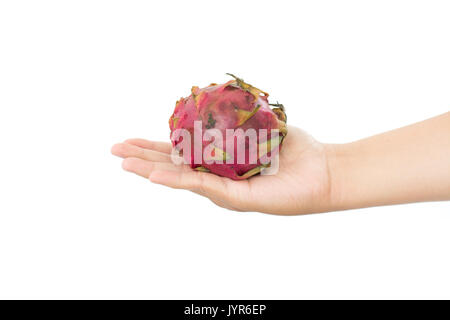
pixel 405 165
pixel 301 185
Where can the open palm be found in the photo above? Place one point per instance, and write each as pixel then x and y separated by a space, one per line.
pixel 302 184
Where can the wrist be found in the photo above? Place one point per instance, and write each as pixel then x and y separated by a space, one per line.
pixel 361 176
pixel 340 160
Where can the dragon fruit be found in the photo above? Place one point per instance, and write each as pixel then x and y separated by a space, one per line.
pixel 223 110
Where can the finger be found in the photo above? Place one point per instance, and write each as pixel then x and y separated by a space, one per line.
pixel 163 147
pixel 125 150
pixel 144 168
pixel 206 184
pixel 224 205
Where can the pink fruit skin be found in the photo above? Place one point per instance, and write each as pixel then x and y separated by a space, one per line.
pixel 217 106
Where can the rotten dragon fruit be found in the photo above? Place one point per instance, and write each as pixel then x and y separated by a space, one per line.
pixel 229 129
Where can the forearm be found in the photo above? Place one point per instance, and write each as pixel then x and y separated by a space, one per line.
pixel 409 164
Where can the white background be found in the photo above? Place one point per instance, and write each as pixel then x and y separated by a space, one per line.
pixel 78 76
